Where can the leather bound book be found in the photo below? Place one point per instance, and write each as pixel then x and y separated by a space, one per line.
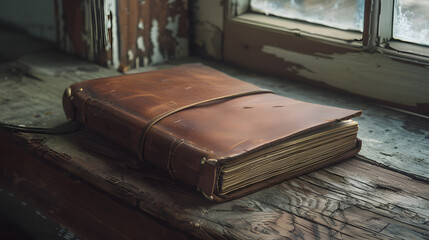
pixel 217 134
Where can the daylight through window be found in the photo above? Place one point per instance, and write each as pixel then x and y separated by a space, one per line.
pixel 407 20
pixel 411 21
pixel 342 14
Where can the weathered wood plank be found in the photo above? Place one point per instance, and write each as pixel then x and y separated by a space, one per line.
pixel 89 212
pixel 19 217
pixel 32 86
pixel 320 199
pixel 354 199
pixel 317 205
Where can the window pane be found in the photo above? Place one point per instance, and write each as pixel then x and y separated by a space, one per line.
pixel 343 14
pixel 411 21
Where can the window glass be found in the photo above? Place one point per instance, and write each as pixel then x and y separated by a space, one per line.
pixel 411 21
pixel 342 14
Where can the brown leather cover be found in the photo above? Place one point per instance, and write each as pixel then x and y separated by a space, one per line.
pixel 120 107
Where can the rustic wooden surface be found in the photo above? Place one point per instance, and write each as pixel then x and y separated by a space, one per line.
pixel 353 199
pixel 75 204
pixel 384 194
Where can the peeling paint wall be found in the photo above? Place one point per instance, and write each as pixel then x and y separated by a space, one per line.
pixel 111 29
pixel 206 18
pixel 124 34
pixel 238 7
pixel 152 31
pixel 207 24
pixel 82 29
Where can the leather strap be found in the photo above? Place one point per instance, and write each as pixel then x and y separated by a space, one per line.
pixel 155 120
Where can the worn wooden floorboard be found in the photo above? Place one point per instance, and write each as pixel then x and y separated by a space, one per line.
pixel 89 212
pixel 342 201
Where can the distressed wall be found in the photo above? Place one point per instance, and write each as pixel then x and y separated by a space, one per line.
pixel 82 29
pixel 152 31
pixel 206 23
pixel 124 34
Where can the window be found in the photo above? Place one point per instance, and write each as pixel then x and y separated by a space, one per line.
pixel 342 14
pixel 411 21
pixel 407 20
pixel 373 48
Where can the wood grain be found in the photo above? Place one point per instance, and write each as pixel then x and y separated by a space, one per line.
pixel 90 213
pixel 354 199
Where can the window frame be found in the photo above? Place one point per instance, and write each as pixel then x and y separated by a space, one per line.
pixel 376 39
pixel 396 48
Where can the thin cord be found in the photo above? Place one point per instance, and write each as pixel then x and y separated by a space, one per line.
pixel 67 127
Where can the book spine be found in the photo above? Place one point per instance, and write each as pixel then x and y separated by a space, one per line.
pixel 101 117
pixel 184 162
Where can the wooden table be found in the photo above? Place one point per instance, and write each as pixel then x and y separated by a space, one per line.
pixel 96 190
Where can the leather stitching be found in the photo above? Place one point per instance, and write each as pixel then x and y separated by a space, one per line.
pixel 172 155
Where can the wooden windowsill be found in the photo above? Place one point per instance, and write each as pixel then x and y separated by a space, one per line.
pixel 332 60
pixel 93 188
pixel 407 52
pixel 351 39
